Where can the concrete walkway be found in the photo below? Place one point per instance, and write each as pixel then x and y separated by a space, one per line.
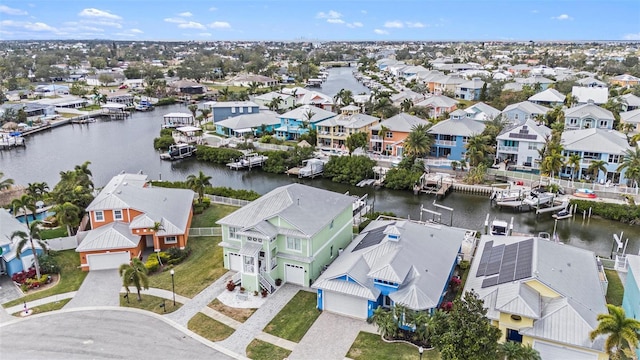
pixel 338 331
pixel 99 288
pixel 252 328
pixel 206 296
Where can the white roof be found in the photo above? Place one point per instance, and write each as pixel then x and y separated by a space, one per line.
pixel 588 110
pixel 111 105
pixel 115 235
pixel 300 113
pixel 481 111
pixel 599 95
pixel 8 225
pixel 527 107
pixel 549 95
pixel 188 129
pixel 438 101
pixel 228 104
pixel 178 115
pixel 527 129
pixel 247 121
pixel 401 122
pixel 351 121
pixel 632 116
pixel 595 140
pixel 631 100
pixel 458 127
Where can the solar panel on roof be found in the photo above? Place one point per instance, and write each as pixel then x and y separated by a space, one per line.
pixel 490 281
pixel 509 262
pixel 495 261
pixel 484 260
pixel 373 237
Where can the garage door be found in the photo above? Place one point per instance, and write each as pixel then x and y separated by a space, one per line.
pixel 345 305
pixel 108 260
pixel 235 261
pixel 294 274
pixel 550 351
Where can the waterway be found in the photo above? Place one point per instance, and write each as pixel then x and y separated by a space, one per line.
pixel 127 145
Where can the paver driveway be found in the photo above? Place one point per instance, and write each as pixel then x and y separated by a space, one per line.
pixel 100 288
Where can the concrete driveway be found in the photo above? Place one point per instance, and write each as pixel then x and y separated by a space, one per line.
pixel 100 288
pixel 330 335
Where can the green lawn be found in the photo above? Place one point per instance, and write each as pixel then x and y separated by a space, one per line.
pixel 370 347
pixel 293 321
pixel 208 328
pixel 47 307
pixel 53 233
pixel 615 291
pixel 212 214
pixel 260 350
pixel 71 277
pixel 149 303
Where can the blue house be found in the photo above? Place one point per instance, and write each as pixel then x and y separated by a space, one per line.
pixel 391 262
pixel 300 120
pixel 631 299
pixel 10 263
pixel 452 135
pixel 469 90
pixel 227 109
pixel 588 116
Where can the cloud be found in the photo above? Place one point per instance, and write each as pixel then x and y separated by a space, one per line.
pixel 393 24
pixel 335 21
pixel 103 23
pixel 562 17
pixel 213 8
pixel 534 11
pixel 220 25
pixel 185 14
pixel 381 32
pixel 175 20
pixel 356 24
pixel 137 31
pixel 635 36
pixel 11 11
pixel 96 13
pixel 416 24
pixel 37 26
pixel 192 25
pixel 330 15
pixel 205 34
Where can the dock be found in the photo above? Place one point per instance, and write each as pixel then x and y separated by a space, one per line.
pixel 12 142
pixel 553 208
pixel 366 182
pixel 248 161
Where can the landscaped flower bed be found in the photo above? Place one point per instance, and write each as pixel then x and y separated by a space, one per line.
pixel 28 280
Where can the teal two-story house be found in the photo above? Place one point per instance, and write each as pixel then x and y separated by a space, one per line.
pixel 631 299
pixel 290 233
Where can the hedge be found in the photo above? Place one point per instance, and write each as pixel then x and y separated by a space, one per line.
pixel 618 212
pixel 248 195
pixel 217 155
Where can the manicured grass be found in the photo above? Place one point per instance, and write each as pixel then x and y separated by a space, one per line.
pixel 53 233
pixel 149 303
pixel 71 277
pixel 615 291
pixel 370 347
pixel 212 214
pixel 47 307
pixel 208 328
pixel 260 350
pixel 237 314
pixel 199 270
pixel 293 321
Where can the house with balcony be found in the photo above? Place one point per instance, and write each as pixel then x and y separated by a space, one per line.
pixel 482 112
pixel 541 293
pixel 222 110
pixel 631 297
pixel 333 132
pixel 264 100
pixel 447 84
pixel 410 95
pixel 520 112
pixel 391 262
pixel 438 105
pixel 291 233
pixel 128 216
pixel 596 144
pixel 469 90
pixel 588 116
pixel 549 98
pixel 519 145
pixel 300 120
pixel 317 99
pixel 9 261
pixel 451 135
pixel 388 136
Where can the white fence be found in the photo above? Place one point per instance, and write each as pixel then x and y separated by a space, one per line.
pixel 227 201
pixel 211 231
pixel 64 243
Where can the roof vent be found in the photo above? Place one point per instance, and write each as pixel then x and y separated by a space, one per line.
pixel 124 183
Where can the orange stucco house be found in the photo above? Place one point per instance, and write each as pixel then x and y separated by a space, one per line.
pixel 388 136
pixel 130 215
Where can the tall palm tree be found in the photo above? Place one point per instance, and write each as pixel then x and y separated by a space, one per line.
pixel 134 273
pixel 6 183
pixel 573 161
pixel 25 203
pixel 383 108
pixel 205 112
pixel 198 183
pixel 631 162
pixel 274 104
pixel 308 115
pixel 346 98
pixel 253 87
pixel 194 109
pixel 552 163
pixel 596 166
pixel 477 149
pixel 224 94
pixel 338 96
pixel 418 142
pixel 32 233
pixel 623 334
pixel 84 173
pixel 69 215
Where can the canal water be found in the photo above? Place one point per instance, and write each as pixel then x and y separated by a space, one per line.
pixel 127 145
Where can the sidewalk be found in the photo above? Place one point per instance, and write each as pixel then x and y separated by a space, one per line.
pixel 195 305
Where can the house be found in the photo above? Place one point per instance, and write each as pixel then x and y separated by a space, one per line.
pixel 520 112
pixel 300 120
pixel 391 262
pixel 51 90
pixel 631 117
pixel 598 95
pixel 290 233
pixel 388 136
pixel 316 99
pixel 451 135
pixel 128 216
pixel 438 105
pixel 482 112
pixel 587 116
pixel 10 264
pixel 66 101
pixel 447 84
pixel 246 80
pixel 591 81
pixel 469 90
pixel 187 87
pixel 519 145
pixel 631 298
pixel 288 101
pixel 535 81
pixel 34 111
pixel 248 124
pixel 625 80
pixel 541 293
pixel 333 132
pixel 549 98
pixel 222 110
pixel 630 102
pixel 400 97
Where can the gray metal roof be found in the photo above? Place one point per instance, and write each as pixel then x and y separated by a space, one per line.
pixel 633 262
pixel 632 117
pixel 401 122
pixel 588 110
pixel 228 104
pixel 300 113
pixel 350 121
pixel 250 120
pixel 631 99
pixel 549 95
pixel 482 111
pixel 527 107
pixel 307 209
pixel 9 224
pixel 438 101
pixel 595 140
pixel 458 127
pixel 115 235
pixel 599 95
pixel 532 128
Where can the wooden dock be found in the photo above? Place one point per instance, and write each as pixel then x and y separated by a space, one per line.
pixel 443 190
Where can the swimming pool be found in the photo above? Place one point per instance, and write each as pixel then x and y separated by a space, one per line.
pixel 39 216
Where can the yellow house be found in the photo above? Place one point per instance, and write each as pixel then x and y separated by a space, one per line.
pixel 333 132
pixel 541 293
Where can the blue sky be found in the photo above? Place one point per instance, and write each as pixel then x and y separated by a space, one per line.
pixel 322 20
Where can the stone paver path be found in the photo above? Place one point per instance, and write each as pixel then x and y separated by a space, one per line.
pixel 251 328
pixel 337 334
pixel 100 288
pixel 8 290
pixel 206 296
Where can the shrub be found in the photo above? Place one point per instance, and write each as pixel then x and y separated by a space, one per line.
pixel 217 155
pixel 198 208
pixel 401 179
pixel 163 142
pixel 349 169
pixel 231 286
pixel 152 264
pixel 618 212
pixel 166 132
pixel 48 264
pixel 166 101
pixel 464 264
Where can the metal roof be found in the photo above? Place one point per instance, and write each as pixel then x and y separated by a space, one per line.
pixel 588 110
pixel 250 120
pixel 401 122
pixel 549 95
pixel 632 117
pixel 8 225
pixel 300 113
pixel 527 107
pixel 458 127
pixel 115 235
pixel 351 121
pixel 595 140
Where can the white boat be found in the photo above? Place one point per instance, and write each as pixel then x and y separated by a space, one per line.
pixel 507 195
pixel 248 161
pixel 499 228
pixel 179 151
pixel 536 198
pixel 311 168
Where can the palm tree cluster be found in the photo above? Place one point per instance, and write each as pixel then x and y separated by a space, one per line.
pixel 418 143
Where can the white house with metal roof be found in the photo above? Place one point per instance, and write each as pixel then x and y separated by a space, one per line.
pixel 588 116
pixel 333 132
pixel 541 293
pixel 549 97
pixel 391 262
pixel 520 144
pixel 248 124
pixel 599 95
pixel 630 102
pixel 300 120
pixel 482 112
pixel 520 112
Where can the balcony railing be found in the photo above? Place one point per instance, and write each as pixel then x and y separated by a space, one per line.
pixel 504 148
pixel 445 143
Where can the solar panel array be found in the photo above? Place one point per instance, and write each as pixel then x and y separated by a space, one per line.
pixel 373 237
pixel 505 263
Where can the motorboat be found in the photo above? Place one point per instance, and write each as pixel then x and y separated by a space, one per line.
pixel 499 228
pixel 585 193
pixel 562 214
pixel 179 151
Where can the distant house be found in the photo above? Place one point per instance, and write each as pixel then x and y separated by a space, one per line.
pixel 591 81
pixel 288 101
pixel 66 101
pixel 333 132
pixel 10 263
pixel 541 293
pixel 549 98
pixel 400 97
pixel 519 145
pixel 631 117
pixel 34 111
pixel 587 116
pixel 388 136
pixel 534 81
pixel 300 120
pixel 523 111
pixel 51 90
pixel 598 95
pixel 317 99
pixel 246 80
pixel 128 216
pixel 290 233
pixel 438 105
pixel 630 102
pixel 631 299
pixel 451 135
pixel 227 109
pixel 248 124
pixel 625 80
pixel 482 112
pixel 187 87
pixel 469 90
pixel 447 84
pixel 391 262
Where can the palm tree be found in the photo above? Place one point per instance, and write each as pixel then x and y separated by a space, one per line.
pixel 25 203
pixel 224 94
pixel 418 142
pixel 6 183
pixel 406 105
pixel 477 149
pixel 386 323
pixel 85 174
pixel 574 163
pixel 423 324
pixel 631 162
pixel 274 104
pixel 623 334
pixel 37 190
pixel 134 273
pixel 516 351
pixel 308 115
pixel 253 87
pixel 194 109
pixel 338 96
pixel 596 166
pixel 198 183
pixel 33 233
pixel 205 112
pixel 383 108
pixel 69 215
pixel 347 97
pixel 552 163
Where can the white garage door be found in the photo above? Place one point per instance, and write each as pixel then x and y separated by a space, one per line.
pixel 294 274
pixel 235 261
pixel 345 304
pixel 556 352
pixel 108 260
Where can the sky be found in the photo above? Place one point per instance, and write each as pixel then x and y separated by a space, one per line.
pixel 324 20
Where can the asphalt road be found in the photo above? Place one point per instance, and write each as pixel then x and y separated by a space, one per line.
pixel 99 334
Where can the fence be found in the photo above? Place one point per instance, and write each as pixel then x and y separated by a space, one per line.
pixel 263 146
pixel 63 243
pixel 227 201
pixel 210 231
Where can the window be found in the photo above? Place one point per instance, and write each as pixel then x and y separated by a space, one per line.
pixel 615 159
pixel 233 110
pixel 573 122
pixel 331 225
pixel 98 215
pixel 510 143
pixel 117 215
pixel 591 156
pixel 603 123
pixel 249 109
pixel 389 148
pixel 294 244
pixel 254 239
pixel 240 109
pixel 331 251
pixel 532 146
pixel 170 240
pixel 515 116
pixel 233 233
pixel 388 135
pixel 249 264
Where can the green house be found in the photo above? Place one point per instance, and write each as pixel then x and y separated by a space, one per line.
pixel 292 233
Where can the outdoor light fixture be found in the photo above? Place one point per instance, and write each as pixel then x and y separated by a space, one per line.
pixel 173 287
